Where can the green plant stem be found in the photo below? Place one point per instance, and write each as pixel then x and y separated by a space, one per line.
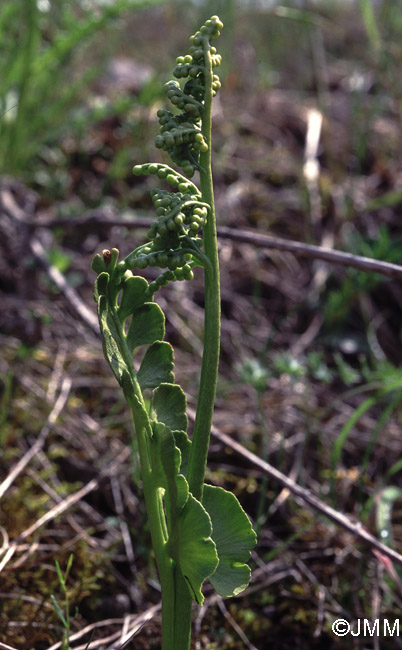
pixel 157 527
pixel 182 612
pixel 210 359
pixel 155 512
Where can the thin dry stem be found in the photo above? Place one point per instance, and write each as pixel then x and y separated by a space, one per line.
pixel 31 453
pixel 61 507
pixel 260 240
pixel 354 527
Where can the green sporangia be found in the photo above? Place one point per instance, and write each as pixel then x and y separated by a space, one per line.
pixel 197 531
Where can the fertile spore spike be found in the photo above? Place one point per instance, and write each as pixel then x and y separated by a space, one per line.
pixel 181 215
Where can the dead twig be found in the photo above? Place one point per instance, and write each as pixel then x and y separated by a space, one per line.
pixel 260 240
pixel 100 217
pixel 354 527
pixel 314 252
pixel 311 167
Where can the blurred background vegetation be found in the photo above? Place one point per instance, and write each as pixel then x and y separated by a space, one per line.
pixel 311 354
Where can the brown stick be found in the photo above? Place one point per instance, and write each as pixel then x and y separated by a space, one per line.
pixel 254 238
pixel 315 252
pixel 356 528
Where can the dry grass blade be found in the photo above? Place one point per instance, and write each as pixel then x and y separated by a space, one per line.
pixel 31 453
pixel 136 626
pixel 4 646
pixel 235 626
pixel 136 623
pixel 118 640
pixel 58 278
pixel 311 167
pixel 61 507
pixel 124 529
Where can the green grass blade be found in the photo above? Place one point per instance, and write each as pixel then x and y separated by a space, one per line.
pixel 370 23
pixel 396 467
pixel 60 576
pixel 347 428
pixel 69 565
pixel 58 610
pixel 385 416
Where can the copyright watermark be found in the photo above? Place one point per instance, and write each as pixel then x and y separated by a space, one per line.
pixel 366 627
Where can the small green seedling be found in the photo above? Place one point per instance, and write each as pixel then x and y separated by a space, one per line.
pixel 198 531
pixel 64 616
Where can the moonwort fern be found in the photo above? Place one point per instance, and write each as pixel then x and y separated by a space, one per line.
pixel 198 531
